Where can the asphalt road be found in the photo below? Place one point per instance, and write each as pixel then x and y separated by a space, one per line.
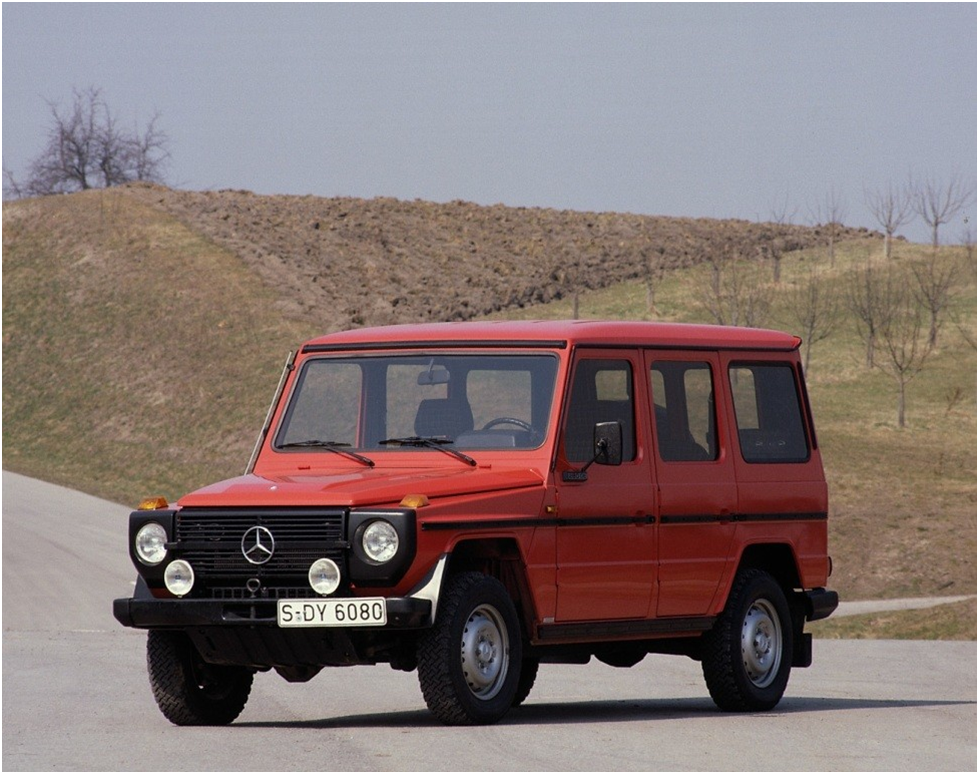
pixel 75 693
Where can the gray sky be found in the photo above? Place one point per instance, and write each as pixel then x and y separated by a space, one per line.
pixel 690 110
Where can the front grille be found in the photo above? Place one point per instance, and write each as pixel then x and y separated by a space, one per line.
pixel 211 540
pixel 266 592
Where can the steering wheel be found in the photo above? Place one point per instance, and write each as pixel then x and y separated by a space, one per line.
pixel 508 421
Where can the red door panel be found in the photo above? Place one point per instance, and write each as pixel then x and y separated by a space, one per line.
pixel 694 476
pixel 606 536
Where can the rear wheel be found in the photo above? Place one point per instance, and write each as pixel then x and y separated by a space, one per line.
pixel 748 654
pixel 469 661
pixel 189 691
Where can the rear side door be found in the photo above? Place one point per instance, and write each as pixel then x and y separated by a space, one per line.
pixel 695 478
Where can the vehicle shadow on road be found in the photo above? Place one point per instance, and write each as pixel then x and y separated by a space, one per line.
pixel 677 709
pixel 628 711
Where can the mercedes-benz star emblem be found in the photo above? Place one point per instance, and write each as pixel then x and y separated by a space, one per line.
pixel 257 545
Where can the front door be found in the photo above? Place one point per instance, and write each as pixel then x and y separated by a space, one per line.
pixel 606 535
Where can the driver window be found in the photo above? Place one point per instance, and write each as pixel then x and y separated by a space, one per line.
pixel 601 392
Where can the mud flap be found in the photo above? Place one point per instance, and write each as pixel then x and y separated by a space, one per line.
pixel 802 650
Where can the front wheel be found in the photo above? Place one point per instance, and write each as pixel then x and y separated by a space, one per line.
pixel 748 653
pixel 528 675
pixel 189 691
pixel 469 661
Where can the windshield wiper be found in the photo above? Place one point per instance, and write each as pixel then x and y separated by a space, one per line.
pixel 333 446
pixel 430 443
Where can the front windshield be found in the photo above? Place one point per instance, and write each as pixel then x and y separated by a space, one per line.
pixel 409 401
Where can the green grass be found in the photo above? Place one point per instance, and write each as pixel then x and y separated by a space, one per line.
pixel 955 621
pixel 138 358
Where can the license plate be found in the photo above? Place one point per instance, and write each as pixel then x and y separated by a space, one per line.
pixel 359 611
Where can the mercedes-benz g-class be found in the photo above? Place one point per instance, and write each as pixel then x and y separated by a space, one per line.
pixel 473 500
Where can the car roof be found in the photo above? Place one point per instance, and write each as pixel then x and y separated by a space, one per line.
pixel 555 334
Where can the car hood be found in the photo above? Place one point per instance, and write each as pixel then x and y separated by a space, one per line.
pixel 359 488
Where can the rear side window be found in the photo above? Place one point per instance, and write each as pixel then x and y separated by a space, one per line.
pixel 767 407
pixel 683 405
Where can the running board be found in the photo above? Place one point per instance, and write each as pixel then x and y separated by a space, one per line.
pixel 598 631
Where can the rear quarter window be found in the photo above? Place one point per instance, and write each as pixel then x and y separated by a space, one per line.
pixel 768 410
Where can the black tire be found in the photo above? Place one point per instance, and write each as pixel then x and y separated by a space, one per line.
pixel 528 674
pixel 747 655
pixel 188 691
pixel 469 661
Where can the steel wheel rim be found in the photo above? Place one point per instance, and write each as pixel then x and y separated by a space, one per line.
pixel 761 643
pixel 211 683
pixel 485 652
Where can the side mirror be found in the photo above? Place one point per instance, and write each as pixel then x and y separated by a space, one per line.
pixel 608 443
pixel 608 450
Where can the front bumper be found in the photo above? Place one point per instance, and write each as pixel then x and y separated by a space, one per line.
pixel 402 613
pixel 246 633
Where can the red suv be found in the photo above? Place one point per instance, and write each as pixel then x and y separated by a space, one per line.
pixel 473 500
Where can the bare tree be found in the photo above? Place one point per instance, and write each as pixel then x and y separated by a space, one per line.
pixel 150 152
pixel 938 202
pixel 87 148
pixel 968 333
pixel 653 270
pixel 775 248
pixel 891 209
pixel 736 294
pixel 816 311
pixel 967 263
pixel 905 348
pixel 933 290
pixel 968 240
pixel 12 189
pixel 576 284
pixel 865 300
pixel 830 213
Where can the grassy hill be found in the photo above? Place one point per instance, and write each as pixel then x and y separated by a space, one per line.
pixel 135 351
pixel 144 329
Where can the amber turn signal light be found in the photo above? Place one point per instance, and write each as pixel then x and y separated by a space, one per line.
pixel 153 504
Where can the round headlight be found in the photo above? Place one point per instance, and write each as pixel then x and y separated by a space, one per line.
pixel 380 541
pixel 324 576
pixel 179 577
pixel 151 543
